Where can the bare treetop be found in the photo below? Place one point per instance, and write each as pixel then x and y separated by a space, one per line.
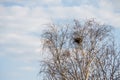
pixel 83 51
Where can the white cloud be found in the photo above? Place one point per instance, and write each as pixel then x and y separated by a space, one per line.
pixel 86 11
pixel 27 68
pixel 110 18
pixel 19 23
pixel 24 16
pixel 53 2
pixel 116 4
pixel 21 45
pixel 32 3
pixel 106 4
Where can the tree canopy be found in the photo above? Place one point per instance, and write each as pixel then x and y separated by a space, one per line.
pixel 82 51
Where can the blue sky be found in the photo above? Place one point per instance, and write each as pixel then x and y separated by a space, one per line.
pixel 22 22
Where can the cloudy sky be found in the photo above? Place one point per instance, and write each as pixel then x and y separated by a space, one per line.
pixel 22 22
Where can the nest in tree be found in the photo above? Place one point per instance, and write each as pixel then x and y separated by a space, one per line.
pixel 78 40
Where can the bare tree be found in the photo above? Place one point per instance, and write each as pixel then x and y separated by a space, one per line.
pixel 83 51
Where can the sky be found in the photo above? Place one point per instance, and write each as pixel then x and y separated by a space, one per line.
pixel 22 22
